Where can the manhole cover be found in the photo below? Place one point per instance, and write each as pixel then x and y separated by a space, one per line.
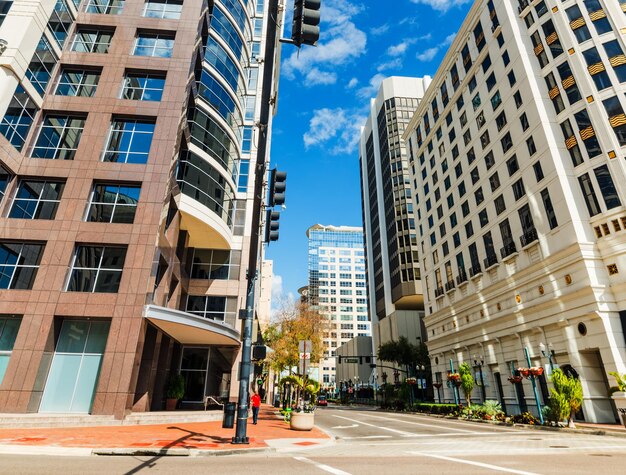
pixel 559 447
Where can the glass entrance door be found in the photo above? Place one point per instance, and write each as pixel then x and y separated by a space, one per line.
pixel 194 366
pixel 75 367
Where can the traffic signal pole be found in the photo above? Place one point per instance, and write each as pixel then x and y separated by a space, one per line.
pixel 262 153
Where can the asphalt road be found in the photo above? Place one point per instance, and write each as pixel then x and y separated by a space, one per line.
pixel 369 442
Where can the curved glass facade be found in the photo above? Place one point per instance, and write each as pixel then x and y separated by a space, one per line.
pixel 219 98
pixel 221 24
pixel 217 56
pixel 213 139
pixel 206 185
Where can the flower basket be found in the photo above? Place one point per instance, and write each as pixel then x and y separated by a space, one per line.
pixel 411 381
pixel 515 379
pixel 454 377
pixel 536 371
pixel 525 372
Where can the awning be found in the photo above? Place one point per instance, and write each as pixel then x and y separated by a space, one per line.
pixel 189 329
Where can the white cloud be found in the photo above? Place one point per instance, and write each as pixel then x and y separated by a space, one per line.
pixel 316 77
pixel 380 30
pixel 395 63
pixel 341 42
pixel 399 49
pixel 428 55
pixel 339 126
pixel 442 5
pixel 372 88
pixel 352 83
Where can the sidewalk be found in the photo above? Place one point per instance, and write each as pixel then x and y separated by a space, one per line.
pixel 190 438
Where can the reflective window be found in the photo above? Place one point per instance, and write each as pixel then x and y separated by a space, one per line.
pixel 5 178
pixel 37 199
pixel 596 68
pixel 18 118
pixel 589 194
pixel 212 307
pixel 59 137
pixel 113 203
pixel 77 82
pixel 227 31
pixel 169 9
pixel 108 7
pixel 97 269
pixel 607 187
pixel 9 326
pixel 5 6
pixel 129 141
pixel 60 22
pixel 217 56
pixel 19 263
pixel 215 264
pixel 220 99
pixel 92 41
pixel 154 44
pixel 41 65
pixel 207 134
pixel 143 86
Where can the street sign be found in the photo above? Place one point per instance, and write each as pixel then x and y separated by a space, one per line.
pixel 350 360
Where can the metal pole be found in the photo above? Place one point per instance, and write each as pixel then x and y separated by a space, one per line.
pixel 454 388
pixel 266 97
pixel 534 386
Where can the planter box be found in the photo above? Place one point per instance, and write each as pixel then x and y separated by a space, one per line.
pixel 620 403
pixel 302 420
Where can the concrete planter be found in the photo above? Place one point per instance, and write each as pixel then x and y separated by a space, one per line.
pixel 620 403
pixel 302 420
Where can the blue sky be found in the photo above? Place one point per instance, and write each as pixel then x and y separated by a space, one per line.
pixel 323 101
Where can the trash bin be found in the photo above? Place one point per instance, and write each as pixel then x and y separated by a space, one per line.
pixel 229 415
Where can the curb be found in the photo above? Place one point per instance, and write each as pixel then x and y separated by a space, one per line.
pixel 176 452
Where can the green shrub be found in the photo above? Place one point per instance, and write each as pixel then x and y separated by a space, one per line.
pixel 524 418
pixel 433 408
pixel 175 387
pixel 620 380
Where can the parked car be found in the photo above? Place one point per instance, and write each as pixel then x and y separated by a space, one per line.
pixel 321 401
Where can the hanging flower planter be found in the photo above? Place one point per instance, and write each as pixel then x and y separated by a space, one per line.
pixel 515 379
pixel 454 377
pixel 536 371
pixel 525 372
pixel 411 381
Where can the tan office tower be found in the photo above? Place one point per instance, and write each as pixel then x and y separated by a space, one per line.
pixel 518 148
pixel 396 303
pixel 126 134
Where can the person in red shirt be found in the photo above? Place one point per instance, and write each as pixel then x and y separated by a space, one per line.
pixel 256 404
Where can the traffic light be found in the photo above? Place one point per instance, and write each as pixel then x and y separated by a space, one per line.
pixel 278 185
pixel 259 352
pixel 271 225
pixel 306 19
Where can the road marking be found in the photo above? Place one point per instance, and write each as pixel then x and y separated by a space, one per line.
pixel 321 466
pixel 476 464
pixel 345 427
pixel 401 432
pixel 417 423
pixel 467 423
pixel 368 437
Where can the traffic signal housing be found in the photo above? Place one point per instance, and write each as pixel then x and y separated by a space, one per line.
pixel 271 225
pixel 278 185
pixel 305 28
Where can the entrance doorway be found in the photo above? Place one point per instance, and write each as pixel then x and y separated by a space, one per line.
pixel 194 366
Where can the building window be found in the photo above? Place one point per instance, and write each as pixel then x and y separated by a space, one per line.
pixel 496 100
pixel 18 118
pixel 589 194
pixel 518 99
pixel 512 79
pixel 587 133
pixel 538 171
pixel 568 82
pixel 19 262
pixel 37 200
pixel 41 65
pixel 596 68
pixel 577 23
pixel 143 86
pixel 9 326
pixel 499 204
pixel 598 16
pixel 5 6
pixel 169 9
pixel 5 178
pixel 483 217
pixel 547 204
pixel 154 44
pixel 92 41
pixel 524 122
pixel 129 141
pixel 59 137
pixel 212 307
pixel 113 203
pixel 530 144
pixel 607 187
pixel 616 59
pixel 107 7
pixel 77 82
pixel 60 22
pixel 617 119
pixel 512 165
pixel 494 181
pixel 479 196
pixel 484 139
pixel 214 264
pixel 506 142
pixel 501 121
pixel 97 269
pixel 518 189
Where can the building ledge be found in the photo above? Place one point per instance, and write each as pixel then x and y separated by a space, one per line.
pixel 189 329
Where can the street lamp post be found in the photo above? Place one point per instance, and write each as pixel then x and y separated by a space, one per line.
pixel 478 361
pixel 548 353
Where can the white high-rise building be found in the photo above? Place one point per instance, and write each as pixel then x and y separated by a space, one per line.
pixel 337 289
pixel 517 157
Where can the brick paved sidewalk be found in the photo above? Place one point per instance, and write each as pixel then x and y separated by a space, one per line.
pixel 188 435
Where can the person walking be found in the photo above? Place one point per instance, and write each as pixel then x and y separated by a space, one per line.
pixel 256 405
